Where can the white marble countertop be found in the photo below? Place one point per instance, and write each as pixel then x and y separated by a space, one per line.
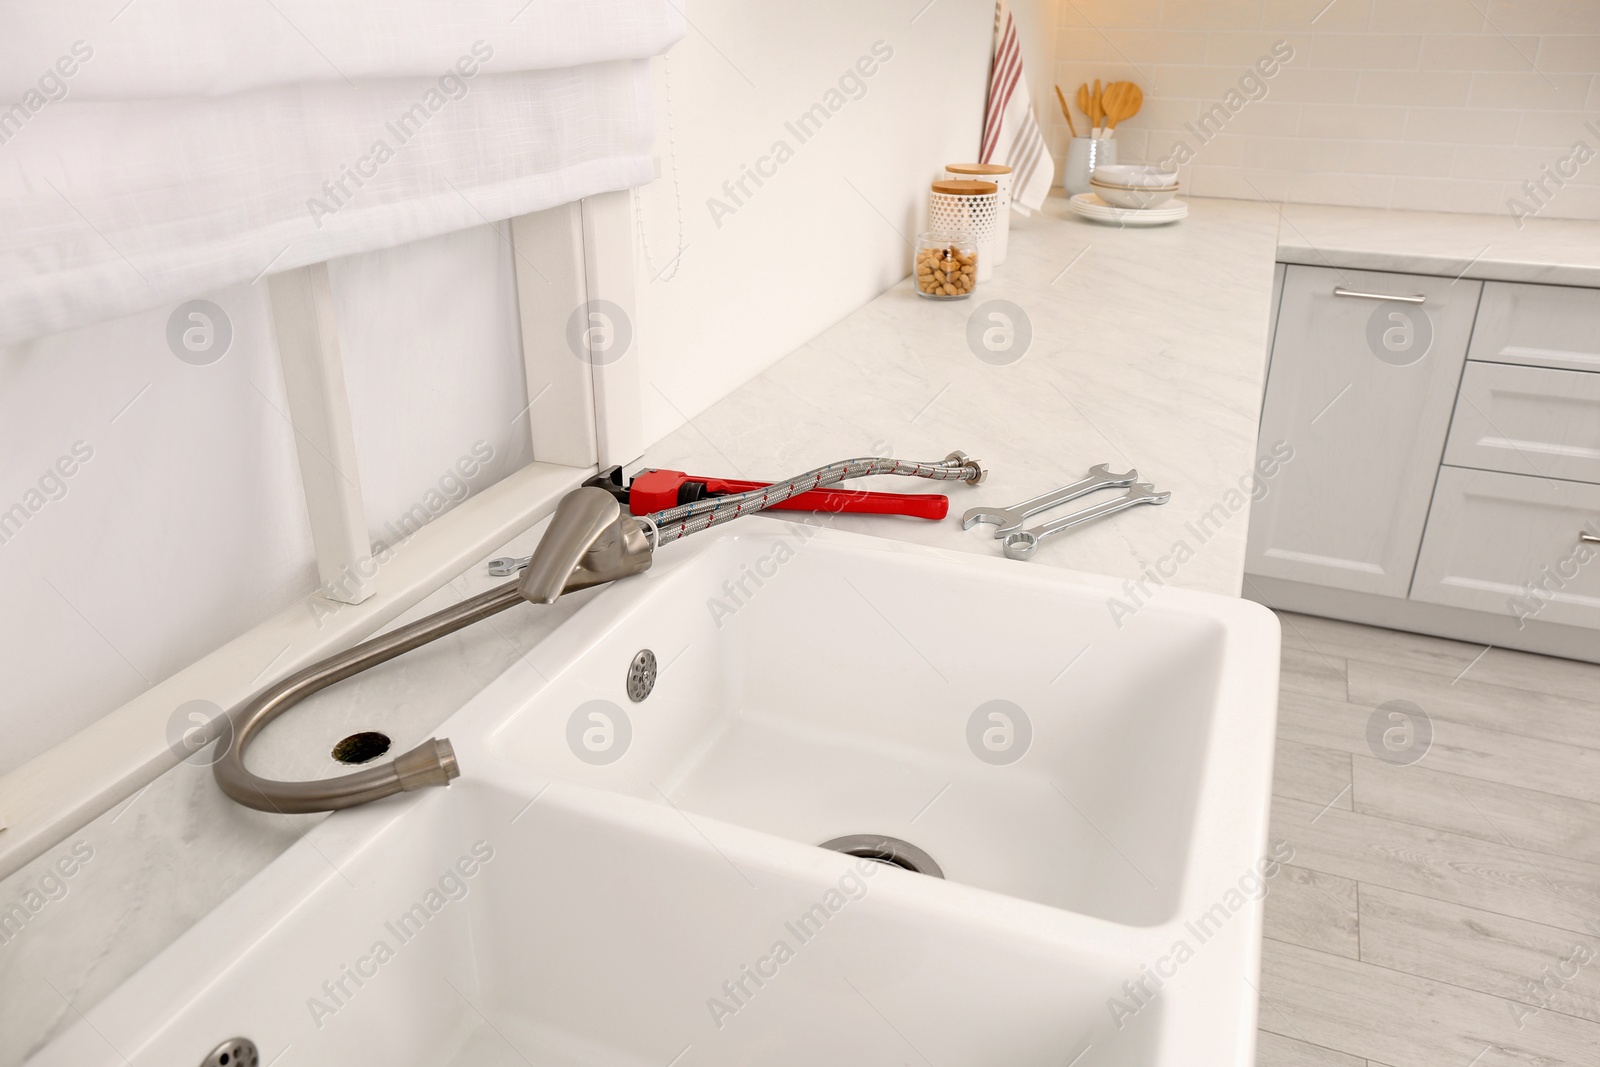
pixel 1148 351
pixel 1552 251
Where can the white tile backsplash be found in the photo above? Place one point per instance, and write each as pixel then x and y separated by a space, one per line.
pixel 1337 16
pixel 1545 16
pixel 1446 105
pixel 1475 52
pixel 1577 53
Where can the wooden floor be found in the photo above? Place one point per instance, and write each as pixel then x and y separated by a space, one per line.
pixel 1444 913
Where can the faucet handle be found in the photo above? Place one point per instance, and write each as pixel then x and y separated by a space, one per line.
pixel 589 541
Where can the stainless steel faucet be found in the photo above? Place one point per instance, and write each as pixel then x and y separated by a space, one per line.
pixel 590 541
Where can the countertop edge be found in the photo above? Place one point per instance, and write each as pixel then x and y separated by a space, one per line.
pixel 1440 265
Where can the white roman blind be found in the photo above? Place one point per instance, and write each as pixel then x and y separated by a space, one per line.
pixel 154 150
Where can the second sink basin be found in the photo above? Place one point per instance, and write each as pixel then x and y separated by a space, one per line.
pixel 1002 723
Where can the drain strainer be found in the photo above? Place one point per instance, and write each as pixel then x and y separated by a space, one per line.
pixel 234 1052
pixel 641 675
pixel 890 851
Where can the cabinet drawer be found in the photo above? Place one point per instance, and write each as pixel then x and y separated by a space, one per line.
pixel 1538 325
pixel 1512 545
pixel 1527 420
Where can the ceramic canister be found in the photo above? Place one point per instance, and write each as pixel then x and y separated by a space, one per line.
pixel 1001 175
pixel 971 208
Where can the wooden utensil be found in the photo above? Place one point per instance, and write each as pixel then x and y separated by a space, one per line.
pixel 1133 101
pixel 1099 105
pixel 1086 105
pixel 1122 101
pixel 1066 111
pixel 1108 104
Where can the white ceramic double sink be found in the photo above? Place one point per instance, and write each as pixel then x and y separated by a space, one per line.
pixel 621 883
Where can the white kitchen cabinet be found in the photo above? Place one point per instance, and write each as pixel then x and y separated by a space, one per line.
pixel 1361 388
pixel 1513 545
pixel 1527 420
pixel 1539 325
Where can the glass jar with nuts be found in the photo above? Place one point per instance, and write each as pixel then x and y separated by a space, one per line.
pixel 947 265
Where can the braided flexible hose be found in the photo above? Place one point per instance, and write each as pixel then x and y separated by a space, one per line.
pixel 673 524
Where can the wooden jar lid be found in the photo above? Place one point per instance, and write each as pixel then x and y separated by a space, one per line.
pixel 977 168
pixel 965 188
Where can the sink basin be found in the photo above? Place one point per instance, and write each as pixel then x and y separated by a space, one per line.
pixel 837 699
pixel 585 935
pixel 615 882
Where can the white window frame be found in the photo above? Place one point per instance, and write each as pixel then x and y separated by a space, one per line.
pixel 583 413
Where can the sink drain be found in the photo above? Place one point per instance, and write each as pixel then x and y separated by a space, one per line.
pixel 641 675
pixel 234 1052
pixel 890 851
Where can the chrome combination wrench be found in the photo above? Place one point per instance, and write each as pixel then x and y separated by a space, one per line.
pixel 501 566
pixel 1020 544
pixel 1008 519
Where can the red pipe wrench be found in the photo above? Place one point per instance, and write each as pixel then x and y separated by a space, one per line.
pixel 657 490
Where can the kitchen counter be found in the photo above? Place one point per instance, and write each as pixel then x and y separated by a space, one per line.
pixel 1552 251
pixel 1148 351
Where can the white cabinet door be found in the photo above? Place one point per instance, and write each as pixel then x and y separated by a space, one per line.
pixel 1361 389
pixel 1513 545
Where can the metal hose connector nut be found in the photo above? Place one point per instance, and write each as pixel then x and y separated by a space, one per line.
pixel 967 463
pixel 431 763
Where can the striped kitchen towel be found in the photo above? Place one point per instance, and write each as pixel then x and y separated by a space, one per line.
pixel 1010 133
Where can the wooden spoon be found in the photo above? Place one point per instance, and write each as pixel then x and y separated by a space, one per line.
pixel 1117 104
pixel 1123 100
pixel 1134 101
pixel 1099 104
pixel 1086 105
pixel 1108 104
pixel 1065 111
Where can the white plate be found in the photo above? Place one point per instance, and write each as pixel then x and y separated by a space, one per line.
pixel 1092 207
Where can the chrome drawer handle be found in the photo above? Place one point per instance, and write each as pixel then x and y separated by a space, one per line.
pixel 1340 290
pixel 1589 537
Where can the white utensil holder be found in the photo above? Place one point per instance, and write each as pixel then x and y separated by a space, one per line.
pixel 1084 154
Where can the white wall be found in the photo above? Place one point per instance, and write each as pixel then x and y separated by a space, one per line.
pixel 1440 105
pixel 828 231
pixel 184 527
pixel 187 525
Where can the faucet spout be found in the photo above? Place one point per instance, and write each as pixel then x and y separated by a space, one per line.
pixel 589 541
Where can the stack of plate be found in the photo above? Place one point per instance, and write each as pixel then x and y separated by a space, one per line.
pixel 1092 207
pixel 1131 195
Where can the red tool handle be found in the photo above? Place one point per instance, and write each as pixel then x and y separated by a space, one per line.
pixel 658 490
